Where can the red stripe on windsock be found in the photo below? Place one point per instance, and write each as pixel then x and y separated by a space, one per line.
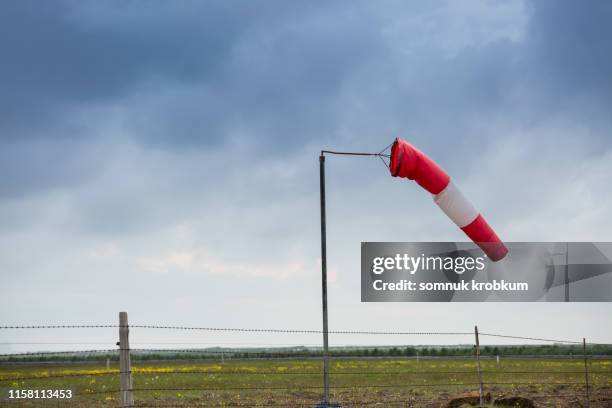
pixel 483 235
pixel 409 162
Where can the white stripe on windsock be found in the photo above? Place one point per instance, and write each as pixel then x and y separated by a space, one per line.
pixel 454 204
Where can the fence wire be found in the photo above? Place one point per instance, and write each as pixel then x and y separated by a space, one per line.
pixel 600 382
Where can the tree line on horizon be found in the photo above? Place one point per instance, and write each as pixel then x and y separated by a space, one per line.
pixel 303 352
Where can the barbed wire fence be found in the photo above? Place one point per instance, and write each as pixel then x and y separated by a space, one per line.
pixel 481 379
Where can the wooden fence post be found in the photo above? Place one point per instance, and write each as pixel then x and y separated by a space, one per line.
pixel 586 373
pixel 125 368
pixel 480 386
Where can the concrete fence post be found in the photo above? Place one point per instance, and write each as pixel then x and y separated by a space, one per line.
pixel 125 368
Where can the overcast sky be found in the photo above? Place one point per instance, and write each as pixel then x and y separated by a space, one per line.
pixel 162 158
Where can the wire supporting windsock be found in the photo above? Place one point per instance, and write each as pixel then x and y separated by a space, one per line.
pixel 409 162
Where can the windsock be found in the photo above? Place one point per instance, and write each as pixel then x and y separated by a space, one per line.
pixel 409 162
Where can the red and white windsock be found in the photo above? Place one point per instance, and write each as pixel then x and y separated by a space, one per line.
pixel 409 162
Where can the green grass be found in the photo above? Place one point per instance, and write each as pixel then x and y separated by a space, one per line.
pixel 293 382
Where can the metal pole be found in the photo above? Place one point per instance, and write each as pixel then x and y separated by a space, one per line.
pixel 567 291
pixel 324 281
pixel 324 264
pixel 586 373
pixel 480 387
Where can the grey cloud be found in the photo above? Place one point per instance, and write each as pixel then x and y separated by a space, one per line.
pixel 54 54
pixel 168 77
pixel 279 79
pixel 570 48
pixel 245 60
pixel 210 114
pixel 39 166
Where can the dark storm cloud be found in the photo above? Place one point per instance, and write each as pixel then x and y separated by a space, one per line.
pixel 278 77
pixel 558 71
pixel 56 53
pixel 274 61
pixel 570 48
pixel 561 69
pixel 278 88
pixel 184 76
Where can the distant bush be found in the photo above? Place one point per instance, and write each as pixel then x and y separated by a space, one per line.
pixel 302 352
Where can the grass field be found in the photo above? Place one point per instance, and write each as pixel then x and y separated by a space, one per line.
pixel 355 382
